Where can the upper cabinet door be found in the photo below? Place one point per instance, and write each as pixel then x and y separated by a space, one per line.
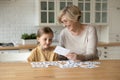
pixel 101 10
pixel 64 3
pixel 47 11
pixel 85 6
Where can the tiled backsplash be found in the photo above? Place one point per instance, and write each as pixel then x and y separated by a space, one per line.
pixel 16 17
pixel 13 33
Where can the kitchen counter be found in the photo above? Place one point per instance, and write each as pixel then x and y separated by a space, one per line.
pixel 31 46
pixel 102 44
pixel 18 47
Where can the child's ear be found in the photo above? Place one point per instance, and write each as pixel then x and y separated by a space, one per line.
pixel 38 38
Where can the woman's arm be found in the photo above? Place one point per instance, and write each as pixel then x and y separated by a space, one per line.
pixel 91 48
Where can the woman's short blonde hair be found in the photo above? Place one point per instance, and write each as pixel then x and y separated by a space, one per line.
pixel 72 12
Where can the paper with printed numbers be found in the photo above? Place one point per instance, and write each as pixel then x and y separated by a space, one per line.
pixel 61 51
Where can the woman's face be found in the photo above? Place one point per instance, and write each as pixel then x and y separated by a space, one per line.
pixel 45 40
pixel 68 23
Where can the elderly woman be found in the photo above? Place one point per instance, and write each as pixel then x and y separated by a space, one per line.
pixel 81 39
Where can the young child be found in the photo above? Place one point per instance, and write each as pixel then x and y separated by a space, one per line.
pixel 43 52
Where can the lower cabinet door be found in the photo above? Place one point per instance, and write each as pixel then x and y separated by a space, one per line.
pixel 14 57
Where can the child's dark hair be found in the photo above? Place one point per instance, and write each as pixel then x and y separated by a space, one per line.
pixel 44 30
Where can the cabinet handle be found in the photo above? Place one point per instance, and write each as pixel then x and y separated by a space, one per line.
pixel 105 47
pixel 105 56
pixel 105 52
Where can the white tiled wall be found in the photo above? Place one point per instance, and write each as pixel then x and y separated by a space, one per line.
pixel 16 17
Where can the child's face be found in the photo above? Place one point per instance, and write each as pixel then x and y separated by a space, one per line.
pixel 45 40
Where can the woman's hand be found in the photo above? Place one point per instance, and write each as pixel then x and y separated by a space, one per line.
pixel 75 57
pixel 72 56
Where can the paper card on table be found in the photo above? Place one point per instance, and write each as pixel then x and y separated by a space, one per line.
pixel 62 51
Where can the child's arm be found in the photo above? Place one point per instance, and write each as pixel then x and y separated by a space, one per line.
pixel 31 58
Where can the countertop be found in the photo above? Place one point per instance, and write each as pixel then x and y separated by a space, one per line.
pixel 102 44
pixel 18 47
pixel 31 46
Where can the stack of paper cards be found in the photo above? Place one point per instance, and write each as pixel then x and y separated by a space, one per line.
pixel 65 64
pixel 88 66
pixel 70 64
pixel 39 65
pixel 44 64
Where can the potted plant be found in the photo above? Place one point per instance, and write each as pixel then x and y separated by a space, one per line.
pixel 28 38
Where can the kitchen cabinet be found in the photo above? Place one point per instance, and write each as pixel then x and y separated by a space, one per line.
pixel 111 31
pixel 18 55
pixel 9 51
pixel 48 10
pixel 14 57
pixel 47 13
pixel 93 11
pixel 111 52
pixel 114 17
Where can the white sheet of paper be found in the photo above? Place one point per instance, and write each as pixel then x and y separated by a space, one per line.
pixel 62 51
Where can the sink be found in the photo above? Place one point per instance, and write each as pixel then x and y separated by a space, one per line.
pixel 6 44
